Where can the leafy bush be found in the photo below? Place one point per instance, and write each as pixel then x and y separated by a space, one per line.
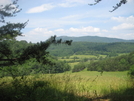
pixel 56 67
pixel 119 63
pixel 33 67
pixel 79 67
pixel 60 67
pixel 131 72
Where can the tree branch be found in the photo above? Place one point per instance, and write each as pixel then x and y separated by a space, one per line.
pixel 37 51
pixel 118 5
pixel 96 1
pixel 8 10
pixel 114 7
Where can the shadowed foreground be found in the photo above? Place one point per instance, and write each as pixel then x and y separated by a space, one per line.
pixel 54 88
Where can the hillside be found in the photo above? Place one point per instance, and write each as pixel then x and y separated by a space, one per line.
pixel 91 48
pixel 93 39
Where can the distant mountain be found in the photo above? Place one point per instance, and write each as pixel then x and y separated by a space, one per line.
pixel 93 39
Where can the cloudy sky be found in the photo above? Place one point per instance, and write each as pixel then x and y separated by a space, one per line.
pixel 74 18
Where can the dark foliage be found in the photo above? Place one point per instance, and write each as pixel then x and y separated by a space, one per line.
pixel 13 53
pixel 9 10
pixel 79 67
pixel 120 63
pixel 92 48
pixel 122 95
pixel 131 72
pixel 55 67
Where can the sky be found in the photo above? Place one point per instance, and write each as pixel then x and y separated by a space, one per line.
pixel 74 18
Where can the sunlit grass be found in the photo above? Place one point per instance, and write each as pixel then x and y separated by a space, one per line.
pixel 83 56
pixel 72 64
pixel 66 59
pixel 87 84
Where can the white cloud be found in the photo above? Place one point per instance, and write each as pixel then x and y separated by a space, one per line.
pixel 59 30
pixel 41 8
pixel 129 1
pixel 66 4
pixel 130 35
pixel 85 29
pixel 37 35
pixel 42 31
pixel 129 19
pixel 45 7
pixel 41 34
pixel 72 3
pixel 70 17
pixel 126 23
pixel 125 36
pixel 123 26
pixel 4 2
pixel 104 30
pixel 78 1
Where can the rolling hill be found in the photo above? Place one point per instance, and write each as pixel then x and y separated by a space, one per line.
pixel 93 39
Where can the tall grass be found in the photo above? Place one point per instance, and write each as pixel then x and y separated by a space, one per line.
pixel 66 87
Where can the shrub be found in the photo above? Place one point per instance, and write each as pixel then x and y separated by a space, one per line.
pixel 79 67
pixel 131 72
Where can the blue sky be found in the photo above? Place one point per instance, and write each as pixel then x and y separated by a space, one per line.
pixel 74 18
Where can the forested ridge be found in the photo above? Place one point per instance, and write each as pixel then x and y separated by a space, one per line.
pixel 93 39
pixel 92 48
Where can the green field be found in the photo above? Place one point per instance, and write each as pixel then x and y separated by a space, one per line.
pixel 83 56
pixel 72 64
pixel 78 86
pixel 80 57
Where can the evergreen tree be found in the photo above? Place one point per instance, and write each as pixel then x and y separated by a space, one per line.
pixel 8 33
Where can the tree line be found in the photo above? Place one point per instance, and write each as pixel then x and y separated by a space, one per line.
pixel 118 63
pixel 91 48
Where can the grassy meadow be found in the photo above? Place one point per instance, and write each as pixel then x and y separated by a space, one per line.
pixel 81 86
pixel 68 86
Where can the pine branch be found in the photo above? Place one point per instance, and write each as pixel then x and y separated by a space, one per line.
pixel 11 30
pixel 37 51
pixel 118 5
pixel 96 2
pixel 114 7
pixel 9 10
